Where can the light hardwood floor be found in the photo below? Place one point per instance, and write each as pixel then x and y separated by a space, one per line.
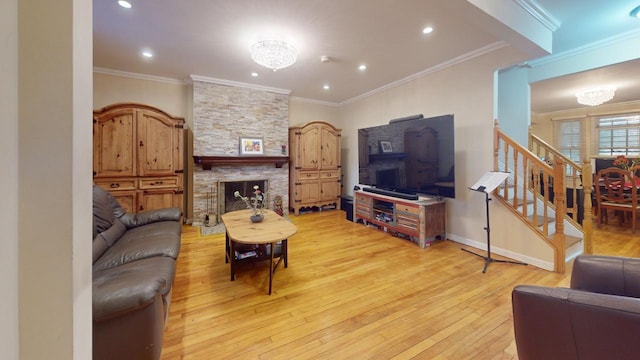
pixel 351 292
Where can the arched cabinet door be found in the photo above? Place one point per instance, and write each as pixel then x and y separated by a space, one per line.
pixel 114 139
pixel 422 146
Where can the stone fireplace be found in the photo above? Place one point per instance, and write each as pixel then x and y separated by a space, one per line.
pixel 222 114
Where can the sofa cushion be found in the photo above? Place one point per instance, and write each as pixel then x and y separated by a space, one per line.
pixel 102 209
pixel 157 239
pixel 107 238
pixel 112 234
pixel 149 216
pixel 130 286
pixel 99 247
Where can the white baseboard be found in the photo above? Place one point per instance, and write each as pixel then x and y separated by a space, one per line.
pixel 546 265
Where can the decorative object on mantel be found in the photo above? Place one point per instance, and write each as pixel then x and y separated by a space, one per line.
pixel 274 54
pixel 385 146
pixel 284 149
pixel 595 96
pixel 251 146
pixel 255 203
pixel 277 205
pixel 208 161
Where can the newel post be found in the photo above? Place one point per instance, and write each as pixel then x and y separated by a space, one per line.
pixel 560 202
pixel 587 221
pixel 496 144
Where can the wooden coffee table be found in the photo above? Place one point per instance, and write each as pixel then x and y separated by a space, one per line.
pixel 240 230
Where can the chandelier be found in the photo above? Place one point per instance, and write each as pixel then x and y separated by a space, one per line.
pixel 593 97
pixel 273 54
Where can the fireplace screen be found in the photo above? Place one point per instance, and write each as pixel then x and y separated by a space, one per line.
pixel 228 202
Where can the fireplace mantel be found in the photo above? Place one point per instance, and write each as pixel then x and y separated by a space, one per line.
pixel 210 161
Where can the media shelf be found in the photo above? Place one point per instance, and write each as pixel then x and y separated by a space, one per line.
pixel 421 221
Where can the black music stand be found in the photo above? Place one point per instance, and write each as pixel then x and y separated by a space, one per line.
pixel 487 184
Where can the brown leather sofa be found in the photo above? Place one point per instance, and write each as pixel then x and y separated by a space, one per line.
pixel 597 318
pixel 134 261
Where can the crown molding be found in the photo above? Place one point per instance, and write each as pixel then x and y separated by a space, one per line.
pixel 457 60
pixel 99 70
pixel 313 101
pixel 239 84
pixel 539 13
pixel 585 48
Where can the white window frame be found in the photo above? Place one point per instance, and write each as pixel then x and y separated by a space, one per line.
pixel 569 138
pixel 616 135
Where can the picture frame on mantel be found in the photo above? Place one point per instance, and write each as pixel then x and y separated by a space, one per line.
pixel 385 146
pixel 251 146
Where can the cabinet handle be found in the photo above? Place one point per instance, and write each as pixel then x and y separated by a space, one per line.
pixel 115 186
pixel 141 143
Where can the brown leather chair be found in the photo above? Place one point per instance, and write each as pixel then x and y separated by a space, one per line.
pixel 597 318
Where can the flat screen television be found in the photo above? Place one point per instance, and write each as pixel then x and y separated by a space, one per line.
pixel 408 157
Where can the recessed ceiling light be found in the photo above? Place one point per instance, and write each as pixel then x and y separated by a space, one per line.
pixel 326 86
pixel 254 74
pixel 147 53
pixel 427 30
pixel 124 4
pixel 362 67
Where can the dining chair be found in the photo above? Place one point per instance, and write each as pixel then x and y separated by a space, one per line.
pixel 617 189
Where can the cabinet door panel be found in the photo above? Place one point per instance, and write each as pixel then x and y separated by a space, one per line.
pixel 156 144
pixel 307 191
pixel 127 199
pixel 155 199
pixel 330 190
pixel 308 150
pixel 114 144
pixel 330 149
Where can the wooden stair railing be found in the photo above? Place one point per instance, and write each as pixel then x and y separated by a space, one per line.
pixel 530 184
pixel 578 178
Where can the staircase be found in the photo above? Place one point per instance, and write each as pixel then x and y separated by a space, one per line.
pixel 536 192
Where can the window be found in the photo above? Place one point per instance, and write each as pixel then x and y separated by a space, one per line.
pixel 569 139
pixel 618 135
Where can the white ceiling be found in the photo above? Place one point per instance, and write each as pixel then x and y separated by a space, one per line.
pixel 211 38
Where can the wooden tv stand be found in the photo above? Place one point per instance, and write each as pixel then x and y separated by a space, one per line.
pixel 421 221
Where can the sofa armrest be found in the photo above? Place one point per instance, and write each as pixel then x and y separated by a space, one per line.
pixel 151 216
pixel 541 323
pixel 607 275
pixel 560 323
pixel 127 288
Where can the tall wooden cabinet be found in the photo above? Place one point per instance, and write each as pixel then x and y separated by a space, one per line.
pixel 138 156
pixel 314 168
pixel 421 145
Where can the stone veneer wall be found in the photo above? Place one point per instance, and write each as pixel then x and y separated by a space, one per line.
pixel 221 115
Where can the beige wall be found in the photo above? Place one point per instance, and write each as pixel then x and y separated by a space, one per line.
pixel 168 95
pixel 9 310
pixel 54 184
pixel 302 111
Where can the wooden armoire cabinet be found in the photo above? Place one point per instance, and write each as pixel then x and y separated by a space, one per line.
pixel 422 146
pixel 314 168
pixel 138 156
